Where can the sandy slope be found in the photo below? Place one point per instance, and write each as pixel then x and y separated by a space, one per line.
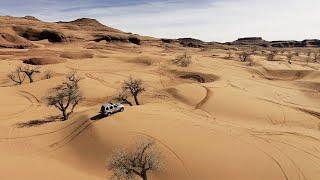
pixel 250 123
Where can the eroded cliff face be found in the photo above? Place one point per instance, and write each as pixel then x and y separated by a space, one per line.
pixel 21 32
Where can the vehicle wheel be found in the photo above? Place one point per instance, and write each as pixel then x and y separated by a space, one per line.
pixel 122 109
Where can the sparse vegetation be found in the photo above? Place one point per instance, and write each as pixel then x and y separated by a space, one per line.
pixel 138 162
pixel 289 57
pixel 17 76
pixel 271 56
pixel 29 71
pixel 144 60
pixel 65 97
pixel 134 87
pixel 48 74
pixel 316 57
pixel 229 55
pixel 244 56
pixel 182 60
pixel 122 97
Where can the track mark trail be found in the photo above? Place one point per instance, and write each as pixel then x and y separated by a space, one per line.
pixel 205 99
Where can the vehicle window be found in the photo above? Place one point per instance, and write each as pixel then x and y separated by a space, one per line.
pixel 111 107
pixel 107 108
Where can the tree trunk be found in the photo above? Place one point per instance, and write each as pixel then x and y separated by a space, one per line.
pixel 144 176
pixel 136 100
pixel 65 115
pixel 30 79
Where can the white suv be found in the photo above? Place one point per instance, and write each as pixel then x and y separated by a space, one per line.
pixel 110 108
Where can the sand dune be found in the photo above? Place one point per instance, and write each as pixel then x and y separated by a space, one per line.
pixel 216 119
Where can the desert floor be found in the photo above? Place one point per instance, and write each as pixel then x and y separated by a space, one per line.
pixel 258 122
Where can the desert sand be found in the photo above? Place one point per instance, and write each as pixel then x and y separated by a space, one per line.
pixel 258 122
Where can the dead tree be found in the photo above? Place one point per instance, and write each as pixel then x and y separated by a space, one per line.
pixel 29 71
pixel 133 86
pixel 183 60
pixel 66 96
pixel 138 162
pixel 17 76
pixel 122 97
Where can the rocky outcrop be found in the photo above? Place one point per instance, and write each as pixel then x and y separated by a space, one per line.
pixel 258 41
pixel 250 41
pixel 311 43
pixel 8 40
pixel 34 34
pixel 118 38
pixel 190 42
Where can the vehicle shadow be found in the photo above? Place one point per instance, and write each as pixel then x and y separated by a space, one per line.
pixel 101 116
pixel 97 117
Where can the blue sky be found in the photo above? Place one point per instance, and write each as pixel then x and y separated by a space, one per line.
pixel 209 20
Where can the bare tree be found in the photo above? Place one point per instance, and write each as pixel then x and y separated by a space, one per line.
pixel 183 60
pixel 122 97
pixel 29 71
pixel 17 76
pixel 138 162
pixel 289 57
pixel 65 97
pixel 244 56
pixel 135 87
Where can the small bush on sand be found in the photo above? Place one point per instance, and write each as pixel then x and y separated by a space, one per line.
pixel 17 76
pixel 271 56
pixel 289 57
pixel 144 60
pixel 122 97
pixel 137 162
pixel 182 60
pixel 244 56
pixel 48 74
pixel 229 55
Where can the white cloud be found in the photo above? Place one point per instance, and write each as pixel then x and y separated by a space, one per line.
pixel 215 20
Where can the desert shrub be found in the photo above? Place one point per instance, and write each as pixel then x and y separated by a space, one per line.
pixel 137 162
pixel 289 57
pixel 17 76
pixel 144 60
pixel 271 56
pixel 48 74
pixel 122 97
pixel 316 56
pixel 229 55
pixel 182 60
pixel 66 96
pixel 244 56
